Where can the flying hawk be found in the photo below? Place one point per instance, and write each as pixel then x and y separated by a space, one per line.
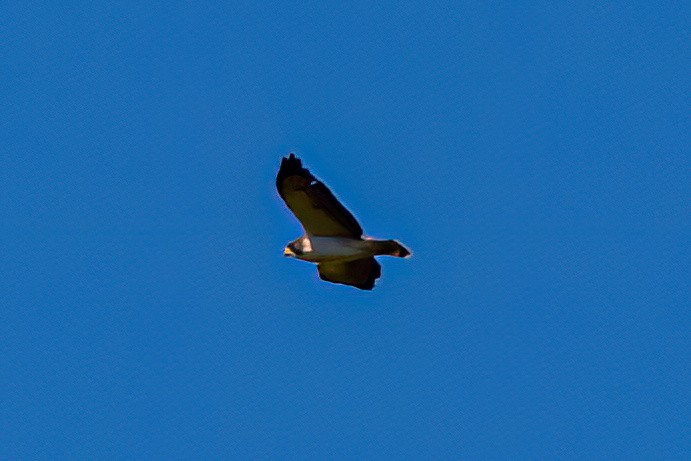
pixel 333 238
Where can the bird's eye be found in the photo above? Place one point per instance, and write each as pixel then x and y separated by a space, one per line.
pixel 313 182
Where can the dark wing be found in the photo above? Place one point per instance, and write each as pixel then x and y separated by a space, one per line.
pixel 319 212
pixel 360 273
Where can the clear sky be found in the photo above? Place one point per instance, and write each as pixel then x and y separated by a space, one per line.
pixel 533 155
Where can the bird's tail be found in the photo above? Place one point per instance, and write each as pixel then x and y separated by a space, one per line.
pixel 390 248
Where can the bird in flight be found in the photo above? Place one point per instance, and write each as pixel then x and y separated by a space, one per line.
pixel 333 238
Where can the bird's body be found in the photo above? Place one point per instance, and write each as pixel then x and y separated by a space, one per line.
pixel 324 249
pixel 333 238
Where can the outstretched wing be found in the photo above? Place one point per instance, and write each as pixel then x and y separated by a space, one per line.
pixel 319 212
pixel 360 273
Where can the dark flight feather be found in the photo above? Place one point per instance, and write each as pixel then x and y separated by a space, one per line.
pixel 315 206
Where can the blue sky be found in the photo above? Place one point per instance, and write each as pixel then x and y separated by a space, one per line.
pixel 534 156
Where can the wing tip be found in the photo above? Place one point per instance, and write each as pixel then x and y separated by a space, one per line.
pixel 365 287
pixel 370 283
pixel 291 161
pixel 290 166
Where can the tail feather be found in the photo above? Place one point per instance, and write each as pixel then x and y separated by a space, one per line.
pixel 391 248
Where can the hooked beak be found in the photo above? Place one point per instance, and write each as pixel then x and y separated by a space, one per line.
pixel 288 252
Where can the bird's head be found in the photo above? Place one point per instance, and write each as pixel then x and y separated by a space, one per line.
pixel 288 251
pixel 296 248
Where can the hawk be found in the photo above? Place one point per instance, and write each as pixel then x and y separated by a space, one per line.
pixel 333 238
